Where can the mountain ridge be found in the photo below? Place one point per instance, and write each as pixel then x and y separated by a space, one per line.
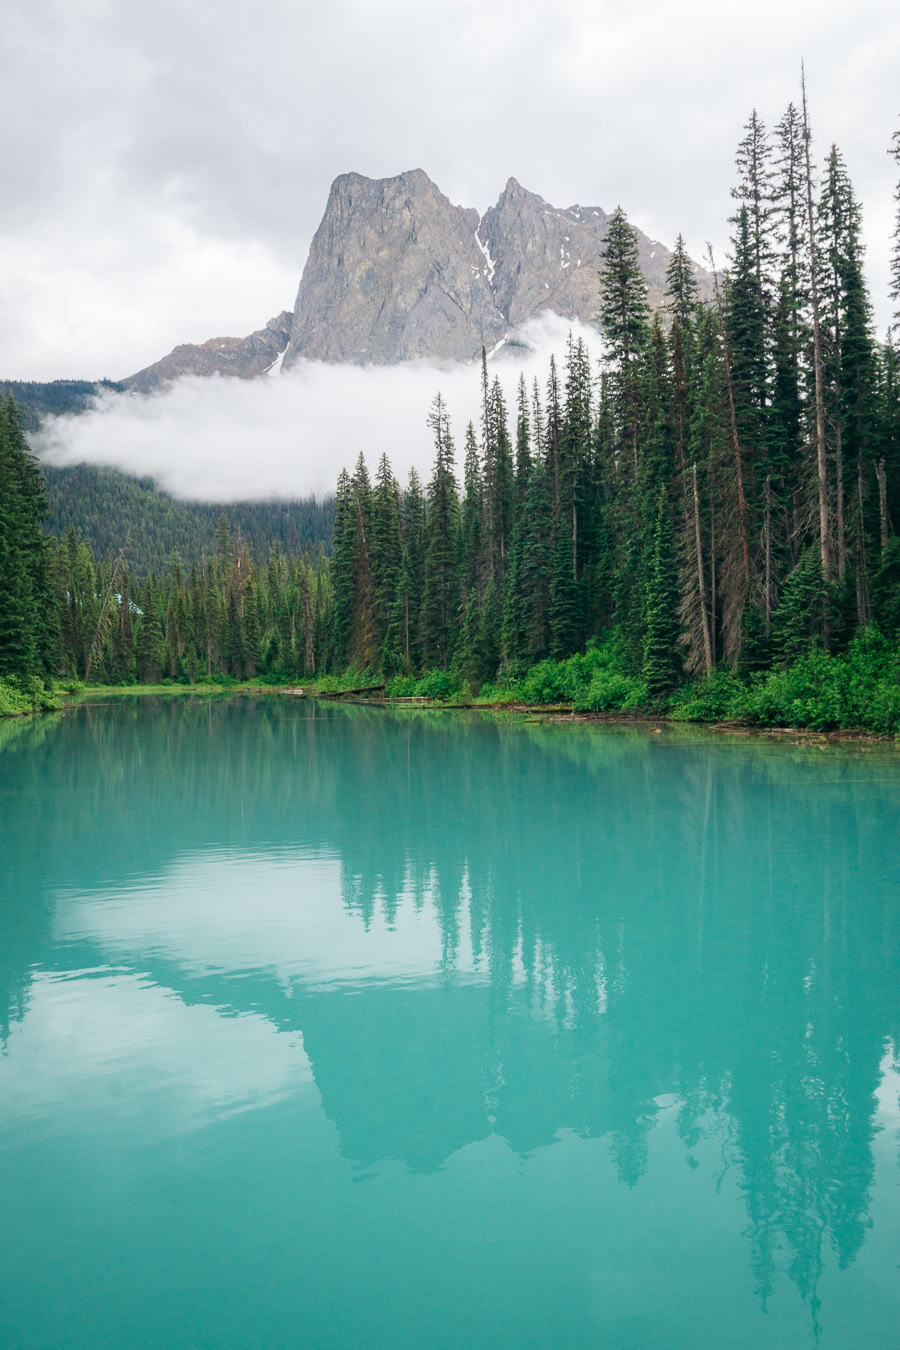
pixel 397 272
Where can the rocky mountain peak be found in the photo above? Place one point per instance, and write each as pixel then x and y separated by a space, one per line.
pixel 396 272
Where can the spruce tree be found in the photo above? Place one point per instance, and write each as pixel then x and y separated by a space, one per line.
pixel 523 442
pixel 624 318
pixel 440 586
pixel 661 596
pixel 18 648
pixel 682 302
pixel 797 621
pixel 150 643
pixel 473 560
pixel 387 564
pixel 342 572
pixel 409 599
pixel 895 254
pixel 754 191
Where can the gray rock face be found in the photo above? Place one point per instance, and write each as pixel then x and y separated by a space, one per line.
pixel 394 272
pixel 244 357
pixel 548 258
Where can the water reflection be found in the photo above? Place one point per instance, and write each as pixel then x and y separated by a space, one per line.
pixel 464 929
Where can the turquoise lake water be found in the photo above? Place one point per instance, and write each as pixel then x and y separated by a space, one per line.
pixel 339 1027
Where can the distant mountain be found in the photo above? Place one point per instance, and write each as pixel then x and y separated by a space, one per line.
pixel 397 272
pixel 244 357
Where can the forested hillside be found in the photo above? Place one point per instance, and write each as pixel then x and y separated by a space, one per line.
pixel 109 509
pixel 36 400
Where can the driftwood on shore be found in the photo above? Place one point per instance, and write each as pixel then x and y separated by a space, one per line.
pixel 350 693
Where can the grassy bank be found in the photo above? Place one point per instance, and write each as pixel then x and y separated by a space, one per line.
pixel 858 690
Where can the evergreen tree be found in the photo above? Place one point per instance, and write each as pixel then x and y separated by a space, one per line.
pixel 27 608
pixel 682 302
pixel 753 191
pixel 895 255
pixel 387 564
pixel 409 600
pixel 473 558
pixel 624 318
pixel 797 622
pixel 150 643
pixel 523 443
pixel 661 596
pixel 343 562
pixel 440 586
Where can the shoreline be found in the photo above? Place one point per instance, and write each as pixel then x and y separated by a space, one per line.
pixel 560 713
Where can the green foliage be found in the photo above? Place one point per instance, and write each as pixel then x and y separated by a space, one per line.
pixel 856 691
pixel 714 699
pixel 437 684
pixel 610 691
pixel 25 694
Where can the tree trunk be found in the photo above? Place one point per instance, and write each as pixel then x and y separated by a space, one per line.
pixel 883 518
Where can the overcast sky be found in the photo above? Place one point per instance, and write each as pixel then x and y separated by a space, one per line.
pixel 164 165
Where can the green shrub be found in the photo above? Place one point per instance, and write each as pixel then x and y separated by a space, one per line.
pixel 546 683
pixel 25 694
pixel 437 684
pixel 718 698
pixel 504 691
pixel 401 686
pixel 609 691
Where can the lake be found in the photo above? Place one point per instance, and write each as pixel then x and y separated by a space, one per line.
pixel 346 1027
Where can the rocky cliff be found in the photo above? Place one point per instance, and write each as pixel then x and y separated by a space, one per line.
pixel 396 271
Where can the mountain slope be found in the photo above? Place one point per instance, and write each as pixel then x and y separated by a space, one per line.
pixel 109 508
pixel 244 357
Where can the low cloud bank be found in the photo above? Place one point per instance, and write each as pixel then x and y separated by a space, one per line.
pixel 234 440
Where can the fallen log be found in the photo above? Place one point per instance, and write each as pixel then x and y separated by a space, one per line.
pixel 348 693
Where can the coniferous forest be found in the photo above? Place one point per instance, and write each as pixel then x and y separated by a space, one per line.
pixel 697 517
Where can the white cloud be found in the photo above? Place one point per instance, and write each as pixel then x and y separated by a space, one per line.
pixel 226 440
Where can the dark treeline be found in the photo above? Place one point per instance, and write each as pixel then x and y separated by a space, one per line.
pixel 108 508
pixel 718 494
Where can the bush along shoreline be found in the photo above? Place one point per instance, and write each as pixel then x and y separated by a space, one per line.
pixel 856 692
